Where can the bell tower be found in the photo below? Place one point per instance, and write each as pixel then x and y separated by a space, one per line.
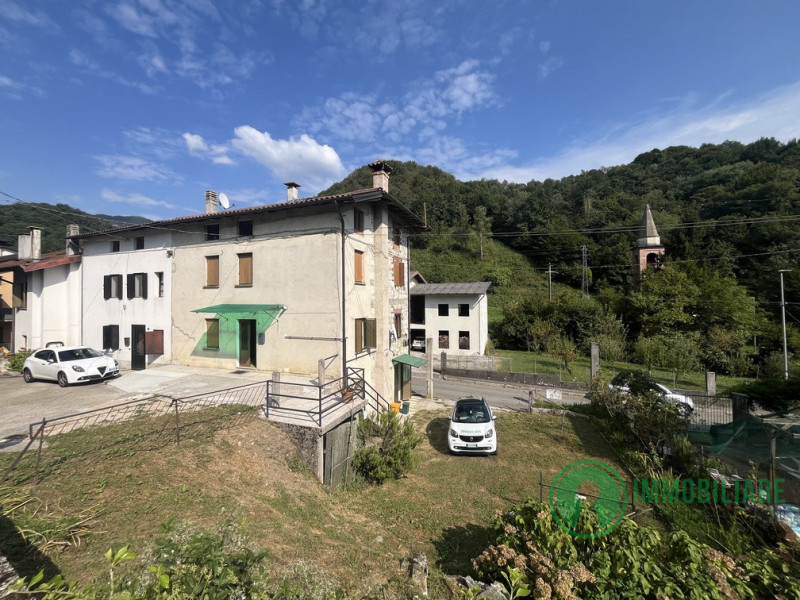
pixel 649 252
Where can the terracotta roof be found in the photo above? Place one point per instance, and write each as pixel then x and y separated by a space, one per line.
pixel 364 194
pixel 48 259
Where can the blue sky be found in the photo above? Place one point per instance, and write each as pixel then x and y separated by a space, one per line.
pixel 138 106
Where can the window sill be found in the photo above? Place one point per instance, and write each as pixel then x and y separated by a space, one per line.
pixel 210 287
pixel 212 349
pixel 243 285
pixel 360 282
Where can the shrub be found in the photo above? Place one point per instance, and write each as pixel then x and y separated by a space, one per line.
pixel 16 361
pixel 388 450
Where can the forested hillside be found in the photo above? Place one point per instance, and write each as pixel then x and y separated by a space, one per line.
pixel 728 215
pixel 53 219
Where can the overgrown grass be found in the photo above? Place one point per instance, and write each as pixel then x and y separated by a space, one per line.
pixel 354 538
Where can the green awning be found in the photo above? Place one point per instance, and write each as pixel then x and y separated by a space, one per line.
pixel 407 359
pixel 224 309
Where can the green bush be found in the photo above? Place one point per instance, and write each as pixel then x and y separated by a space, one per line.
pixel 772 394
pixel 388 447
pixel 16 361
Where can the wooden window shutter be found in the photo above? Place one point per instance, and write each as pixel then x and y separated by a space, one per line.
pixel 131 282
pixel 359 335
pixel 359 267
pixel 144 291
pixel 370 334
pixel 107 286
pixel 399 273
pixel 212 333
pixel 154 341
pixel 246 269
pixel 212 271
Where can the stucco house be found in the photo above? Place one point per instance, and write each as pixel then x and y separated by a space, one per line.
pixel 276 288
pixel 453 315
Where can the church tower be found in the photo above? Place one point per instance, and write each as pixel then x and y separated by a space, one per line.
pixel 649 251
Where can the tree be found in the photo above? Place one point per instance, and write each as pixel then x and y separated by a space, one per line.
pixel 680 355
pixel 649 351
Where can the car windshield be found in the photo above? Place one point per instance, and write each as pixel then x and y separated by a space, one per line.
pixel 471 412
pixel 77 354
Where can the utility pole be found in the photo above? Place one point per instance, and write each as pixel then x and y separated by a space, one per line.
pixel 783 318
pixel 550 281
pixel 585 281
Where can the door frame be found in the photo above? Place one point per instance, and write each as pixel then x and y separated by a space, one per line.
pixel 138 359
pixel 246 329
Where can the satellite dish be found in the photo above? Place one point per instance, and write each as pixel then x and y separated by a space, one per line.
pixel 223 200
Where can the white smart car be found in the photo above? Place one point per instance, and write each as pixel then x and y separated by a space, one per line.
pixel 472 428
pixel 69 364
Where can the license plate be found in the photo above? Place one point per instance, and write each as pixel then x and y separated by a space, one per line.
pixel 472 445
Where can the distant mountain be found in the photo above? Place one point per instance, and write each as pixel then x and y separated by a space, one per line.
pixel 15 219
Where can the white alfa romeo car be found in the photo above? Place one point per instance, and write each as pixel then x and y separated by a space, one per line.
pixel 69 364
pixel 472 427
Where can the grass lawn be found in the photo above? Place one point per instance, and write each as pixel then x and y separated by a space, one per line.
pixel 250 474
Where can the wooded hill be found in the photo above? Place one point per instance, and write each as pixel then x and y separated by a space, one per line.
pixel 53 220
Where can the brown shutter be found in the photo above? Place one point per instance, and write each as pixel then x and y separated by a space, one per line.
pixel 212 271
pixel 359 267
pixel 154 341
pixel 246 269
pixel 212 333
pixel 370 334
pixel 359 335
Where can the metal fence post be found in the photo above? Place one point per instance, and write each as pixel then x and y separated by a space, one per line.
pixel 319 391
pixel 177 423
pixel 39 451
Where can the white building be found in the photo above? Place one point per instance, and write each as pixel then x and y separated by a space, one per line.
pixel 454 315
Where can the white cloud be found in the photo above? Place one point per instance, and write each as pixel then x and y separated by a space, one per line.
pixel 138 200
pixel 13 12
pixel 296 159
pixel 132 168
pixel 197 146
pixel 774 114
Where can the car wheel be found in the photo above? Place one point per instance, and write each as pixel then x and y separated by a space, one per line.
pixel 27 375
pixel 684 410
pixel 62 379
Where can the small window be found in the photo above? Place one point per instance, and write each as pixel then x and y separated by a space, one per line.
pixel 358 266
pixel 463 340
pixel 138 242
pixel 444 310
pixel 444 340
pixel 110 337
pixel 399 272
pixel 115 246
pixel 366 334
pixel 212 232
pixel 137 285
pixel 212 271
pixel 160 277
pixel 463 310
pixel 212 334
pixel 112 286
pixel 358 221
pixel 20 292
pixel 245 229
pixel 245 268
pixel 398 324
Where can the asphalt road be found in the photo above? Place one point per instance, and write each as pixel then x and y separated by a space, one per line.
pixel 497 394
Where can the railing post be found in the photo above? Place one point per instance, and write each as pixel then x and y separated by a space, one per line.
pixel 319 393
pixel 177 423
pixel 266 400
pixel 39 451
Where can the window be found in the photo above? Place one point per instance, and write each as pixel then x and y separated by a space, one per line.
pixel 398 324
pixel 112 286
pixel 245 268
pixel 115 246
pixel 366 334
pixel 358 267
pixel 212 334
pixel 358 221
pixel 444 339
pixel 399 269
pixel 138 242
pixel 110 337
pixel 20 291
pixel 444 310
pixel 396 236
pixel 245 229
pixel 137 285
pixel 463 310
pixel 212 271
pixel 463 340
pixel 160 277
pixel 212 232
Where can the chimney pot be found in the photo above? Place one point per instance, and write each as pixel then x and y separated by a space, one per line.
pixel 380 174
pixel 212 202
pixel 72 231
pixel 291 190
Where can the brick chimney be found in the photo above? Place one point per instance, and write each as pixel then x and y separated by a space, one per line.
pixel 29 246
pixel 73 248
pixel 380 175
pixel 212 202
pixel 291 190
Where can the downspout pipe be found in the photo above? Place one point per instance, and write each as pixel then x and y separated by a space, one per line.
pixel 344 296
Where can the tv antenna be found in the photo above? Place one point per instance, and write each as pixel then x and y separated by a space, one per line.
pixel 223 200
